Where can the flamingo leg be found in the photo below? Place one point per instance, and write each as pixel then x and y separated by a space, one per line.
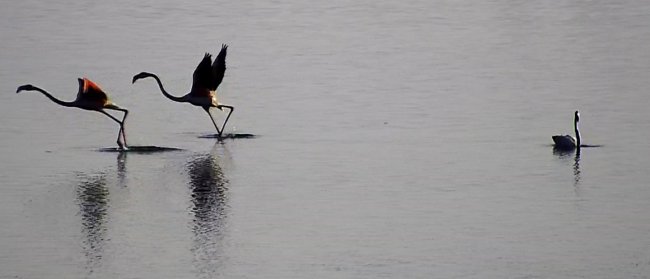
pixel 223 127
pixel 207 109
pixel 121 136
pixel 122 129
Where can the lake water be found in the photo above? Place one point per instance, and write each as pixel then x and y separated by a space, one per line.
pixel 395 139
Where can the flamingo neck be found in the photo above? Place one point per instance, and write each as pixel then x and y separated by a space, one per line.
pixel 164 92
pixel 48 95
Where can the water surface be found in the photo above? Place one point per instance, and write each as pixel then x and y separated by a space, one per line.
pixel 398 140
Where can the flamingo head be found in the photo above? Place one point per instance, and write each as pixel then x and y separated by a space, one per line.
pixel 141 75
pixel 26 87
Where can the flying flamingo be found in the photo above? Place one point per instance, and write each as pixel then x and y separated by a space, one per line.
pixel 89 97
pixel 206 79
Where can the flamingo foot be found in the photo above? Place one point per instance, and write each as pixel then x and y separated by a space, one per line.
pixel 122 146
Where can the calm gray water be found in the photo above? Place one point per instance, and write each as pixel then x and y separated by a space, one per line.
pixel 395 139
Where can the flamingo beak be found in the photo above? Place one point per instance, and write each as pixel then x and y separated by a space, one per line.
pixel 21 88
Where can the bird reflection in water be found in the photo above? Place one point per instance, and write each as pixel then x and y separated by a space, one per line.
pixel 92 199
pixel 576 163
pixel 209 204
pixel 121 168
pixel 576 169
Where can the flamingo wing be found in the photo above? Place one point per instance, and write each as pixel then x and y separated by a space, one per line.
pixel 219 66
pixel 202 78
pixel 91 92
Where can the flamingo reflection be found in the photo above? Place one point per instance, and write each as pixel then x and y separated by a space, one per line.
pixel 209 205
pixel 92 199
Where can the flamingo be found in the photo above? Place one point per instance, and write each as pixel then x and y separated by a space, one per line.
pixel 206 79
pixel 89 97
pixel 567 142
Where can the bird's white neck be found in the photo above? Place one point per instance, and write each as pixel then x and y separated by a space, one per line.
pixel 575 124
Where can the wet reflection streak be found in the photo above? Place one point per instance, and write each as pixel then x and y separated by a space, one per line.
pixel 209 195
pixel 208 190
pixel 92 198
pixel 564 154
pixel 121 168
pixel 576 169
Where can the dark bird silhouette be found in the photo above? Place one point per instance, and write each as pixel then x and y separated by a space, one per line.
pixel 89 97
pixel 568 142
pixel 206 79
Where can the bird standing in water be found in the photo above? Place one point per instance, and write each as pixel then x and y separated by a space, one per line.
pixel 206 79
pixel 89 97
